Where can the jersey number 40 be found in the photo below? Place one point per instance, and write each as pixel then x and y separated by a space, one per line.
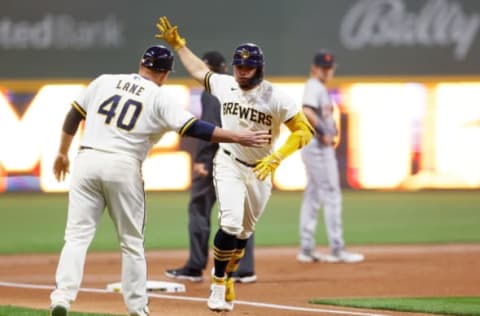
pixel 129 113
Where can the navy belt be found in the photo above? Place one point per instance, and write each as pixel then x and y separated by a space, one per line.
pixel 250 165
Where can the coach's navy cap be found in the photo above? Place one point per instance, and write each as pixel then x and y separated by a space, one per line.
pixel 215 61
pixel 324 59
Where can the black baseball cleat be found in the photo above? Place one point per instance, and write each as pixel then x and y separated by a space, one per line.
pixel 249 277
pixel 59 310
pixel 185 273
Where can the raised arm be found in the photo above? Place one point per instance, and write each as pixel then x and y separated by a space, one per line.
pixel 194 65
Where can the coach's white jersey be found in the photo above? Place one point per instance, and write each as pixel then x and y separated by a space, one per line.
pixel 262 108
pixel 128 114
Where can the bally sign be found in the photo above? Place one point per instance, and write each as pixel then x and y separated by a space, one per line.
pixel 438 23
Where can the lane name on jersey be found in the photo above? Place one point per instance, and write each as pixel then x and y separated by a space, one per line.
pixel 130 87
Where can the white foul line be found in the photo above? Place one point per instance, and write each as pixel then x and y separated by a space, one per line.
pixel 197 299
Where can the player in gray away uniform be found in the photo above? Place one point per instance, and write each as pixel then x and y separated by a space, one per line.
pixel 323 187
pixel 203 197
pixel 125 115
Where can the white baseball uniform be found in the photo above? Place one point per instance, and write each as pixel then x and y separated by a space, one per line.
pixel 241 196
pixel 125 115
pixel 323 187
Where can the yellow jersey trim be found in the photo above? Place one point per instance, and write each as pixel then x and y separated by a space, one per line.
pixel 206 81
pixel 79 109
pixel 186 126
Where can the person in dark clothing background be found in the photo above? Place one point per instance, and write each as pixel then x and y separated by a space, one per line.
pixel 202 196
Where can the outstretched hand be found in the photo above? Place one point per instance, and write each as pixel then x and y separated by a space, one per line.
pixel 267 166
pixel 250 138
pixel 169 33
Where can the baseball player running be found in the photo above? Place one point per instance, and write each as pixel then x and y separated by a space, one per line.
pixel 323 187
pixel 203 195
pixel 124 116
pixel 248 102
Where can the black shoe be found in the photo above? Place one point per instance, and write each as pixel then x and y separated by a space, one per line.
pixel 59 310
pixel 249 277
pixel 185 273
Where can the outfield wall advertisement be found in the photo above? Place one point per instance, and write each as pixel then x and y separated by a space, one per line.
pixel 65 39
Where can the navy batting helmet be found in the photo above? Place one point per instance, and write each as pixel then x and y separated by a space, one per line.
pixel 158 58
pixel 250 54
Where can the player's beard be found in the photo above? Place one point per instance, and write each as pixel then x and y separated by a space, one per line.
pixel 248 83
pixel 244 83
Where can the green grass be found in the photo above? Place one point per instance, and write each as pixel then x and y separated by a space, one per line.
pixel 461 306
pixel 20 311
pixel 36 222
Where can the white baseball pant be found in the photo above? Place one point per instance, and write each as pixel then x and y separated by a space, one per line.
pixel 104 179
pixel 241 196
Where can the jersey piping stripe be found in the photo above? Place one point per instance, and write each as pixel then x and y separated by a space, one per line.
pixel 206 81
pixel 186 126
pixel 79 108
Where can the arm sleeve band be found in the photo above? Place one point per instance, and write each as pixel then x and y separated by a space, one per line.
pixel 72 121
pixel 302 133
pixel 200 129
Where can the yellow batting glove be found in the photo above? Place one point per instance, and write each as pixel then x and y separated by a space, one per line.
pixel 267 166
pixel 169 33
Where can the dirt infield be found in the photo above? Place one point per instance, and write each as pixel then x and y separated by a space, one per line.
pixel 389 271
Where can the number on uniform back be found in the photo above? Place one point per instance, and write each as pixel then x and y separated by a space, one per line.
pixel 129 113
